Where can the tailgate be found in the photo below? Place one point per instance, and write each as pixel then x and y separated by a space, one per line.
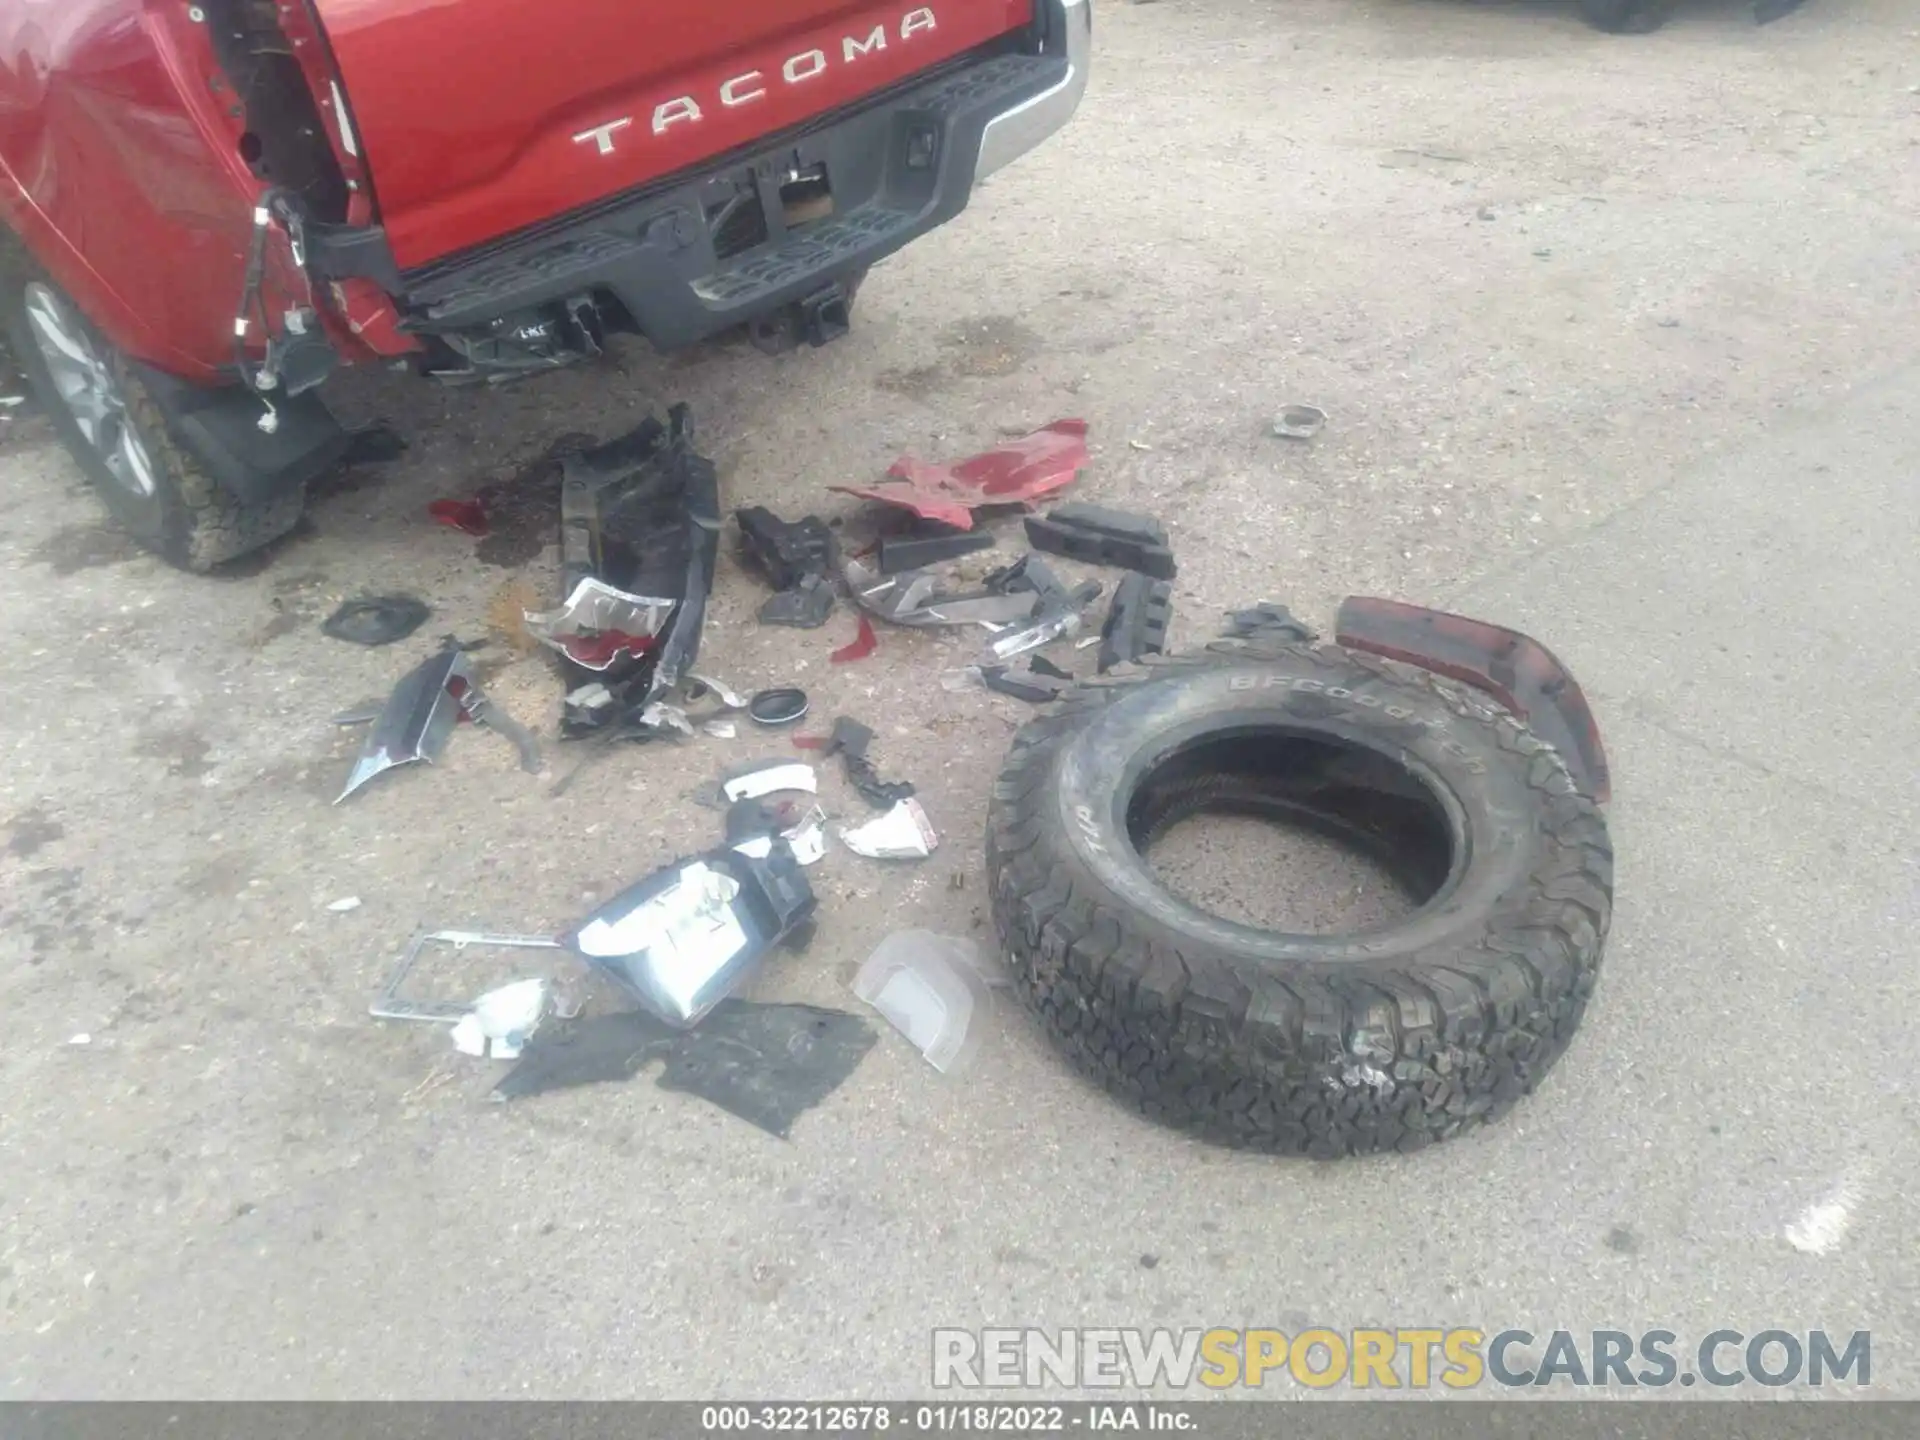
pixel 478 118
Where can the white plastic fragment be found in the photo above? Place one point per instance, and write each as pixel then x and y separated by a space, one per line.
pixel 928 987
pixel 808 838
pixel 83 1038
pixel 719 729
pixel 502 1020
pixel 768 779
pixel 344 904
pixel 903 833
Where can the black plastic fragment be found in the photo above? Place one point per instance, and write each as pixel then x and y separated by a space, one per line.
pixel 1097 535
pixel 921 549
pixel 767 1064
pixel 849 737
pixel 786 550
pixel 1027 683
pixel 1136 621
pixel 1030 572
pixel 376 619
pixel 1268 621
pixel 849 741
pixel 783 706
pixel 797 556
pixel 805 607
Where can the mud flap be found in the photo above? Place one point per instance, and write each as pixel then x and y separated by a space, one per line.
pixel 220 427
pixel 1515 669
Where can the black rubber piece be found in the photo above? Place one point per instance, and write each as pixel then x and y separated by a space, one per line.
pixel 220 427
pixel 849 741
pixel 787 550
pixel 805 607
pixel 1025 684
pixel 767 1064
pixel 1137 621
pixel 376 619
pixel 786 705
pixel 1268 621
pixel 1315 1045
pixel 899 553
pixel 1040 665
pixel 1097 535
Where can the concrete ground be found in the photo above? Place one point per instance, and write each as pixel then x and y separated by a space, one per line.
pixel 1616 339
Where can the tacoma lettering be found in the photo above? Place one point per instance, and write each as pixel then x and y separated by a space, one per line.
pixel 744 89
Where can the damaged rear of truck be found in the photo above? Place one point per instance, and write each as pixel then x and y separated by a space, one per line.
pixel 211 206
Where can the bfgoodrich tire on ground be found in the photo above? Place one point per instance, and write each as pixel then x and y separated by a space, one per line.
pixel 1321 1045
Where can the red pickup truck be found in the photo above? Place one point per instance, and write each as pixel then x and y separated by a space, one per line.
pixel 210 205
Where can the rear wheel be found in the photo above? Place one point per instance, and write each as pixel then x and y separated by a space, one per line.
pixel 151 483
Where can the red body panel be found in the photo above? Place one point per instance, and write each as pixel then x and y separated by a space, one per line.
pixel 480 117
pixel 121 172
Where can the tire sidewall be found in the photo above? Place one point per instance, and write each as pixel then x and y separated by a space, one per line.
pixel 1481 787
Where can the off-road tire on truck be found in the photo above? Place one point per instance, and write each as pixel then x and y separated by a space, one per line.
pixel 1317 1045
pixel 186 517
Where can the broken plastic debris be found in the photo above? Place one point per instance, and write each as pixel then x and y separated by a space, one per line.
pixel 83 1038
pixel 501 1021
pixel 767 1064
pixel 1100 535
pixel 850 741
pixel 1045 632
pixel 661 716
pixel 932 990
pixel 390 1004
pixel 915 598
pixel 1299 422
pixel 1137 621
pixel 768 776
pixel 783 705
pixel 1268 620
pixel 344 904
pixel 903 833
pixel 599 624
pixel 1026 682
pixel 376 619
pixel 417 719
pixel 797 557
pixel 489 716
pixel 695 688
pixel 719 729
pixel 863 644
pixel 808 839
pixel 1013 473
pixel 688 935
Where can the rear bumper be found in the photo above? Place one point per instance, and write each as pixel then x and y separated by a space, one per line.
pixel 671 261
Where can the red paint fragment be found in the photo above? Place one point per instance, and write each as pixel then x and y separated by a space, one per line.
pixel 811 742
pixel 1016 473
pixel 864 644
pixel 467 515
